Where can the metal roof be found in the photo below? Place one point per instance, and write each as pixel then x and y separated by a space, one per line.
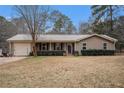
pixel 53 38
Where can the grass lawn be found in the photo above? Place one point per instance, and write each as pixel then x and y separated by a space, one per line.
pixel 69 71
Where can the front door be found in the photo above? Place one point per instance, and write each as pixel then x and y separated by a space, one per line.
pixel 69 49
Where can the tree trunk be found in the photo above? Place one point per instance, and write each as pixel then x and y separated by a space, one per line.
pixel 111 18
pixel 34 45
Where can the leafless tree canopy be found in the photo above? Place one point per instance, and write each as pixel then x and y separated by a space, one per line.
pixel 32 16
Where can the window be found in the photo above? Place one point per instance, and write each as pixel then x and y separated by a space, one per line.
pixel 58 46
pixel 104 46
pixel 84 46
pixel 44 47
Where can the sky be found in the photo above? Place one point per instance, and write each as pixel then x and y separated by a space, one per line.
pixel 76 13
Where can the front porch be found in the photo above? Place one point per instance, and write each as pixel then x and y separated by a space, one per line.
pixel 68 48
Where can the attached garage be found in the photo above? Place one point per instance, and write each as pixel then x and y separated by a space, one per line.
pixel 22 49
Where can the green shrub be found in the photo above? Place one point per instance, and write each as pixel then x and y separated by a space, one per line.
pixel 92 52
pixel 51 53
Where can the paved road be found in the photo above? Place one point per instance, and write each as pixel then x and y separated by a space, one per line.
pixel 4 60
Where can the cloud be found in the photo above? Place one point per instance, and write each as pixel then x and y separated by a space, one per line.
pixel 8 18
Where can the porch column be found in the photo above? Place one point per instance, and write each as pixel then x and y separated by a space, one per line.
pixel 66 49
pixel 75 47
pixel 64 46
pixel 50 46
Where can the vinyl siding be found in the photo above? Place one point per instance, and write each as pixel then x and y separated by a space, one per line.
pixel 94 43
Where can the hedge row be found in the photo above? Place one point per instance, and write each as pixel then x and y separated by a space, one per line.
pixel 51 53
pixel 97 52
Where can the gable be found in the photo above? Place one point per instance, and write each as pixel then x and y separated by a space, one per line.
pixel 96 38
pixel 95 42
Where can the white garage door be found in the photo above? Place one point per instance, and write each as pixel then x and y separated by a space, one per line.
pixel 22 49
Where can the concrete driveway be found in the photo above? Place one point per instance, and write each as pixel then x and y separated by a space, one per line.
pixel 4 60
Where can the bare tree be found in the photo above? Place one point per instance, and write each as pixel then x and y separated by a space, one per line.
pixel 85 28
pixel 32 15
pixel 21 25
